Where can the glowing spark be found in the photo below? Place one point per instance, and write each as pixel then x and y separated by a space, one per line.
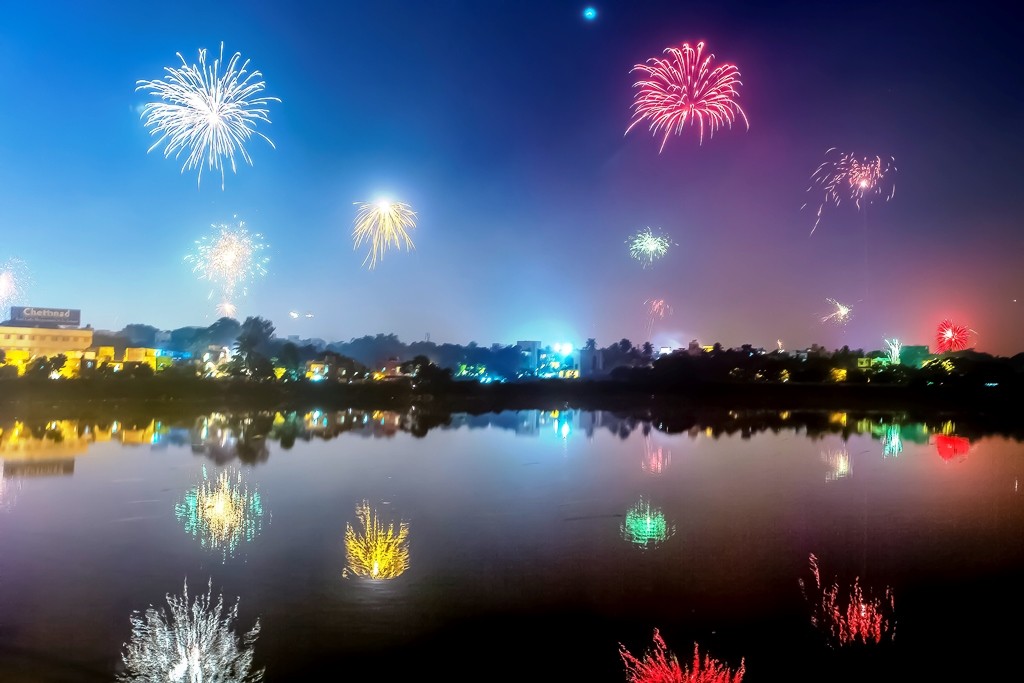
pixel 222 513
pixel 778 343
pixel 893 347
pixel 226 309
pixel 646 247
pixel 193 642
pixel 684 88
pixel 846 176
pixel 838 316
pixel 205 114
pixel 383 225
pixel 14 278
pixel 230 260
pixel 645 526
pixel 852 618
pixel 376 551
pixel 659 665
pixel 951 336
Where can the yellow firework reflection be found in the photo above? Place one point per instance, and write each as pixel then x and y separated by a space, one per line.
pixel 374 550
pixel 222 512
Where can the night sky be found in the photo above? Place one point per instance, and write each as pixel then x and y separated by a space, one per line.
pixel 502 124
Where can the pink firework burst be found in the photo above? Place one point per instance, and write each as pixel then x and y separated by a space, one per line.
pixel 951 336
pixel 847 176
pixel 661 666
pixel 683 88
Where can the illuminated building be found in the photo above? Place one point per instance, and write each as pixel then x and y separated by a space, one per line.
pixel 530 351
pixel 33 333
pixel 376 551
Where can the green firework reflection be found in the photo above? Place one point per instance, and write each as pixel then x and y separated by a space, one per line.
pixel 221 512
pixel 645 525
pixel 892 441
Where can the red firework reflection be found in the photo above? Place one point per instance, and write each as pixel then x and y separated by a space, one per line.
pixel 661 666
pixel 851 618
pixel 950 447
pixel 656 459
pixel 951 336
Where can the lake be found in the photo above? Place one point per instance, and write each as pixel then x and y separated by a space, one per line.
pixel 522 545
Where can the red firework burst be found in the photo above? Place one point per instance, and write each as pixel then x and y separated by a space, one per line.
pixel 951 336
pixel 858 179
pixel 850 617
pixel 661 666
pixel 684 88
pixel 951 446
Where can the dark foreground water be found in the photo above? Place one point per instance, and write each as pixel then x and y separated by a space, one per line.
pixel 515 546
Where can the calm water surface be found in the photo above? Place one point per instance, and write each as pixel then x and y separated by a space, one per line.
pixel 515 546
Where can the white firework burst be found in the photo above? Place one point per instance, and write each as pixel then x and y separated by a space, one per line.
pixel 193 642
pixel 206 115
pixel 14 278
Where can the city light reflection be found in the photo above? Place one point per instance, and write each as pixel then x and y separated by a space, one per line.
pixel 656 458
pixel 373 550
pixel 838 462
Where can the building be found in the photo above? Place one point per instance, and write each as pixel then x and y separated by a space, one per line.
pixel 530 351
pixel 591 362
pixel 33 333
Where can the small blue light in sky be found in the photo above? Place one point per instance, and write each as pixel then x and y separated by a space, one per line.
pixel 590 13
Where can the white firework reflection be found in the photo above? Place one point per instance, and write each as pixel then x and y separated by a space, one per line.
pixel 193 641
pixel 207 115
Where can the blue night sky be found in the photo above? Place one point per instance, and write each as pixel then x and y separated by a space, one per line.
pixel 502 124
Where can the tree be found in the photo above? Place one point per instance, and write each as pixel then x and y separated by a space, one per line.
pixel 289 360
pixel 647 353
pixel 252 341
pixel 139 334
pixel 591 345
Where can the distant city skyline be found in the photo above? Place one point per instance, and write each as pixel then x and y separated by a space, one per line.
pixel 503 126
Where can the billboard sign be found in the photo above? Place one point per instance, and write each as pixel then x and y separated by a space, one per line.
pixel 52 316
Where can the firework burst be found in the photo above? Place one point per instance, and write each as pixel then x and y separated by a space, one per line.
pixel 207 115
pixel 645 525
pixel 657 309
pixel 857 179
pixel 647 247
pixel 660 665
pixel 840 315
pixel 684 89
pixel 376 551
pixel 222 513
pixel 893 347
pixel 951 336
pixel 14 278
pixel 230 259
pixel 382 224
pixel 853 618
pixel 193 641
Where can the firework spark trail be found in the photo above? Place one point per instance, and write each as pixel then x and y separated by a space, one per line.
pixel 193 641
pixel 838 316
pixel 951 336
pixel 857 179
pixel 659 665
pixel 682 89
pixel 207 114
pixel 14 279
pixel 893 347
pixel 856 617
pixel 383 225
pixel 657 309
pixel 646 247
pixel 222 513
pixel 230 259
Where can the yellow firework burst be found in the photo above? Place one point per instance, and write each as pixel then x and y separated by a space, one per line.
pixel 376 551
pixel 383 225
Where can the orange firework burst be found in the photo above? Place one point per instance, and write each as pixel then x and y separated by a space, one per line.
pixel 847 176
pixel 659 665
pixel 683 88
